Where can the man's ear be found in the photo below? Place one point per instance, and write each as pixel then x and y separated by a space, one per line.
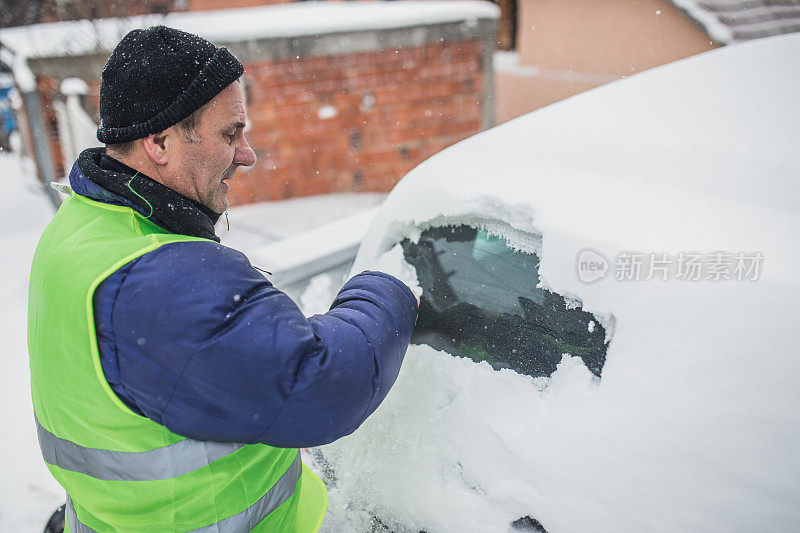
pixel 155 146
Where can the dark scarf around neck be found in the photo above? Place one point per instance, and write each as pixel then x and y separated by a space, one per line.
pixel 165 207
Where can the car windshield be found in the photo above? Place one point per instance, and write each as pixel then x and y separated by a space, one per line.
pixel 480 300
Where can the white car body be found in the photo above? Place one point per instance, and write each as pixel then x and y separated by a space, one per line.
pixel 695 422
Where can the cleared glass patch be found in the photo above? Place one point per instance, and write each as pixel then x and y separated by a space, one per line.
pixel 481 301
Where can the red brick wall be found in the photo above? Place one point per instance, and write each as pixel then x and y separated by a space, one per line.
pixel 58 10
pixel 48 91
pixel 93 99
pixel 202 5
pixel 394 108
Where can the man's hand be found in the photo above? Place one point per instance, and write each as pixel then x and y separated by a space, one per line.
pixel 417 297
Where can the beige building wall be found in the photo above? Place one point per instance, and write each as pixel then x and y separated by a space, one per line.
pixel 565 47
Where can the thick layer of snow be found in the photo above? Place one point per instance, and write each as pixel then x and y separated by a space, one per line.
pixel 28 494
pixel 74 87
pixel 316 18
pixel 234 25
pixel 25 79
pixel 695 424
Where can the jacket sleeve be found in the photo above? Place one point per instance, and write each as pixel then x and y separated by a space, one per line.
pixel 206 346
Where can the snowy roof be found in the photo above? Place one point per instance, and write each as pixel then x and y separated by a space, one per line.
pixel 729 21
pixel 235 25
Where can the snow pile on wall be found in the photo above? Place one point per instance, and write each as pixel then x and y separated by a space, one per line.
pixel 234 25
pixel 694 425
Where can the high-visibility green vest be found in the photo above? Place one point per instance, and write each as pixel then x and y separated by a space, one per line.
pixel 122 471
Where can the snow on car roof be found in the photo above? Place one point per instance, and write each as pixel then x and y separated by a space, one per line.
pixel 694 424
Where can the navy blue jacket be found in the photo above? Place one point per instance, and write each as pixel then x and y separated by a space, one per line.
pixel 194 338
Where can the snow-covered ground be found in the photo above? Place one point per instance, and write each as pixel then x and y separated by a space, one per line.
pixel 28 494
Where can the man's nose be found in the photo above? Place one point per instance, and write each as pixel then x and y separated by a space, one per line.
pixel 245 155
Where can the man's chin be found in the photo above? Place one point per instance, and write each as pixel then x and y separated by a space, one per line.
pixel 221 201
pixel 222 206
pixel 219 205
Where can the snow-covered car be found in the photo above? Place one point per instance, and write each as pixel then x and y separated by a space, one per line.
pixel 608 332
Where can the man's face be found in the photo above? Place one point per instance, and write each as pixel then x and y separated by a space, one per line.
pixel 210 157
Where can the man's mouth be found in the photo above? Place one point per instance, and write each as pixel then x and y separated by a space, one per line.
pixel 228 175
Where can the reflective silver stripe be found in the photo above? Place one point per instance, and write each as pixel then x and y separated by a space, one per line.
pixel 166 462
pixel 72 520
pixel 247 520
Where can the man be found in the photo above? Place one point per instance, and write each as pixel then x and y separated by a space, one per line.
pixel 172 384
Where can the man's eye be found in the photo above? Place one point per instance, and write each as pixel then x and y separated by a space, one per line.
pixel 230 137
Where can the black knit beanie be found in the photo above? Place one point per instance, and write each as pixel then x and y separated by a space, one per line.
pixel 157 77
